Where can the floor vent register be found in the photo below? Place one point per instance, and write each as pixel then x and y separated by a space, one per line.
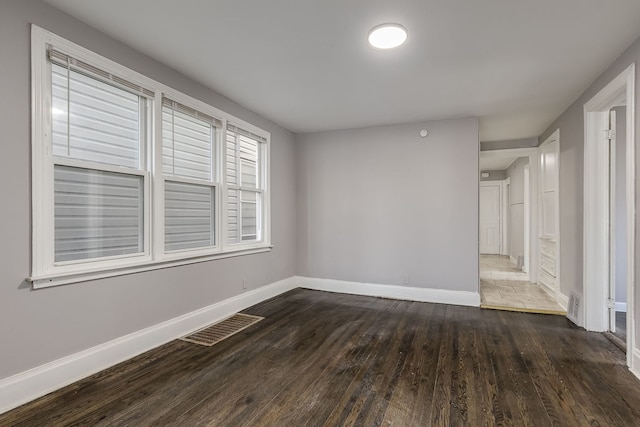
pixel 217 332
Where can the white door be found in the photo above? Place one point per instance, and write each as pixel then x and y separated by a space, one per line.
pixel 490 219
pixel 548 205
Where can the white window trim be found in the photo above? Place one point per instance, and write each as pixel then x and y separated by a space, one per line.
pixel 45 272
pixel 264 181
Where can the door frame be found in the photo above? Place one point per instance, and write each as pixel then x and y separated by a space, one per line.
pixel 532 154
pixel 527 217
pixel 505 198
pixel 500 186
pixel 556 293
pixel 596 232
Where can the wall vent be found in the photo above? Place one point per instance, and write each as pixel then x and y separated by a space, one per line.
pixel 573 312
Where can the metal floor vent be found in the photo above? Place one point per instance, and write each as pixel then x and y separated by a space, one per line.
pixel 224 329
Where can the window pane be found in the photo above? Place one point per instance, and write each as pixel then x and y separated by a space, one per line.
pixel 189 216
pixel 97 214
pixel 249 162
pixel 249 215
pixel 187 146
pixel 232 167
pixel 232 215
pixel 93 120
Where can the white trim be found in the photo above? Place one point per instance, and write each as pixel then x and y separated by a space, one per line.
pixel 505 200
pixel 46 281
pixel 634 366
pixel 621 307
pixel 440 296
pixel 509 152
pixel 550 291
pixel 563 301
pixel 527 217
pixel 26 386
pixel 553 139
pixel 621 90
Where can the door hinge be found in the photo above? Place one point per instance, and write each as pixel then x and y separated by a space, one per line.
pixel 610 134
pixel 611 304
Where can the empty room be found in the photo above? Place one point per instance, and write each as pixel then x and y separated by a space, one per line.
pixel 319 213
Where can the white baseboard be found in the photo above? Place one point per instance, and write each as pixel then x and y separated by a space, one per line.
pixel 563 301
pixel 441 296
pixel 26 386
pixel 621 306
pixel 548 290
pixel 635 362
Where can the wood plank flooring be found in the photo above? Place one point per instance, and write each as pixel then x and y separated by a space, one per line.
pixel 322 359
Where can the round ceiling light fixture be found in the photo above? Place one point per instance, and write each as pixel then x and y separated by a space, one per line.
pixel 387 36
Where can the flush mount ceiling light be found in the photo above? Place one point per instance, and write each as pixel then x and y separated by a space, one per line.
pixel 387 36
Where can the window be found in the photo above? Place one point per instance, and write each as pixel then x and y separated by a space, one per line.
pixel 188 165
pixel 97 137
pixel 130 175
pixel 244 185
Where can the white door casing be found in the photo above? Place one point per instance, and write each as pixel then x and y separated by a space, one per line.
pixel 504 215
pixel 527 219
pixel 490 210
pixel 612 220
pixel 596 210
pixel 548 167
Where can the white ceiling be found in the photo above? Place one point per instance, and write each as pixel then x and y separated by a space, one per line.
pixel 495 163
pixel 516 64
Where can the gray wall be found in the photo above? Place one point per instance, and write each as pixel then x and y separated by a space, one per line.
pixel 621 205
pixel 494 175
pixel 40 326
pixel 512 143
pixel 571 125
pixel 516 207
pixel 381 203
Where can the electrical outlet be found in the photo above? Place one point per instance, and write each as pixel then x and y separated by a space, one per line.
pixel 405 280
pixel 244 284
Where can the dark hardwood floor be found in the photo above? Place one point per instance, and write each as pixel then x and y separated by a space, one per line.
pixel 322 359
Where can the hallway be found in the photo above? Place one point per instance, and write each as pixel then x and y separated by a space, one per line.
pixel 504 287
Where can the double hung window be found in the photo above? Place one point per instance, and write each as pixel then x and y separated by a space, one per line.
pixel 245 184
pixel 129 174
pixel 190 176
pixel 98 137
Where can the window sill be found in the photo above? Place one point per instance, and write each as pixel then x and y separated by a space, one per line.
pixel 46 281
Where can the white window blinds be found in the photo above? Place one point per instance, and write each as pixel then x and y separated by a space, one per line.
pixel 93 120
pixel 245 186
pixel 97 214
pixel 98 121
pixel 189 216
pixel 188 141
pixel 188 152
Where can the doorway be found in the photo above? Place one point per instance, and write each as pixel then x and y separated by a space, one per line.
pixel 490 217
pixel 602 217
pixel 508 271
